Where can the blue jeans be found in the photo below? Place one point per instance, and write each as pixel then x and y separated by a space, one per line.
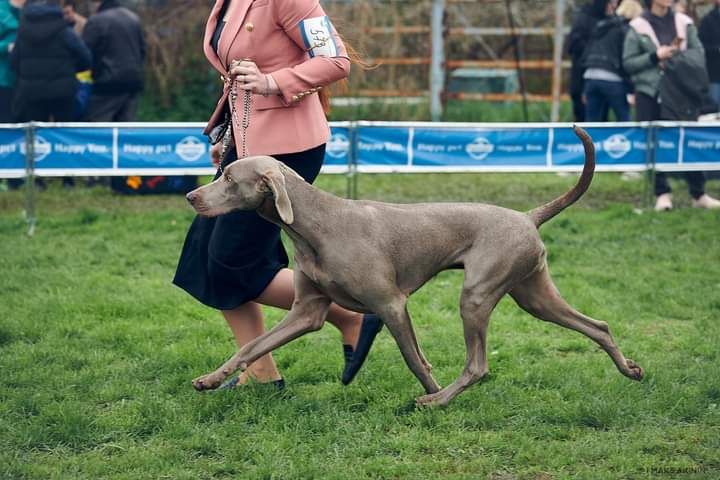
pixel 602 95
pixel 715 92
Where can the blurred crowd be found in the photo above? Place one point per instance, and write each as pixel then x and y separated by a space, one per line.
pixel 649 55
pixel 58 66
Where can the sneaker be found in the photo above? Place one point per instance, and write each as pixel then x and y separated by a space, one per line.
pixel 663 203
pixel 706 201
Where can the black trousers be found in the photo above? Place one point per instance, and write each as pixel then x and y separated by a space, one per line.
pixel 112 108
pixel 647 109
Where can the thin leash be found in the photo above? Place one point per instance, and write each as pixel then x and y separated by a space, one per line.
pixel 234 121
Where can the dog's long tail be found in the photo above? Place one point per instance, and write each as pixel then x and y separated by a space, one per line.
pixel 545 212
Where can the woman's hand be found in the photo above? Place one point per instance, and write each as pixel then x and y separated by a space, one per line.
pixel 249 77
pixel 215 152
pixel 666 51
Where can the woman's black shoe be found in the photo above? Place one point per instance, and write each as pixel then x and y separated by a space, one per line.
pixel 371 326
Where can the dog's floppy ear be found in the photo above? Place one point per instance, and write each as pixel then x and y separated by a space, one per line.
pixel 275 180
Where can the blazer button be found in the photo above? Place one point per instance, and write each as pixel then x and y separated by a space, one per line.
pixel 249 27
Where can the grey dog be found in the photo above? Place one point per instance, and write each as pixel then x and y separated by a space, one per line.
pixel 371 256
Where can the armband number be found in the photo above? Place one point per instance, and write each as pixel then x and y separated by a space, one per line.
pixel 318 35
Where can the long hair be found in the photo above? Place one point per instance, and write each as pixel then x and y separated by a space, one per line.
pixel 356 58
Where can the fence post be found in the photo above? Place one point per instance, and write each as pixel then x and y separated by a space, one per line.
pixel 650 164
pixel 352 162
pixel 30 177
pixel 557 59
pixel 437 62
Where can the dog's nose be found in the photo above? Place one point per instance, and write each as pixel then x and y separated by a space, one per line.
pixel 191 197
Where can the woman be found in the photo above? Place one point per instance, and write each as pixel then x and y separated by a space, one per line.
pixel 275 57
pixel 654 37
pixel 605 84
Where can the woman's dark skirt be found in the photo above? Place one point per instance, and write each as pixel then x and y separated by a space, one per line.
pixel 230 260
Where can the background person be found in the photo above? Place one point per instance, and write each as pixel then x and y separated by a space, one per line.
pixel 584 21
pixel 654 38
pixel 46 57
pixel 236 262
pixel 116 40
pixel 606 83
pixel 73 18
pixel 710 38
pixel 9 18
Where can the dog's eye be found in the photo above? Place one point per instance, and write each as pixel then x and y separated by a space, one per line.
pixel 228 178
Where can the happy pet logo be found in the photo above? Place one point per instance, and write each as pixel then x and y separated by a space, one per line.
pixel 617 146
pixel 338 145
pixel 190 149
pixel 480 148
pixel 42 148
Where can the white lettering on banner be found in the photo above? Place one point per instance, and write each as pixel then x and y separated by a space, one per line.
pixel 480 148
pixel 571 147
pixel 338 145
pixel 667 145
pixel 700 145
pixel 510 148
pixel 535 148
pixel 379 146
pixel 190 149
pixel 431 148
pixel 98 149
pixel 8 148
pixel 138 149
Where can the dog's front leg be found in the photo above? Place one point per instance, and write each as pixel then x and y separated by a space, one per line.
pixel 307 314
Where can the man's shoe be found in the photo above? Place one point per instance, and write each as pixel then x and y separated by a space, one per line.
pixel 706 201
pixel 354 359
pixel 663 203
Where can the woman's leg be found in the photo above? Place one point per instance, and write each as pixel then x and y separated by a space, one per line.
pixel 280 293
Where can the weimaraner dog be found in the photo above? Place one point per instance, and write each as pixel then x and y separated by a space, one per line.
pixel 371 256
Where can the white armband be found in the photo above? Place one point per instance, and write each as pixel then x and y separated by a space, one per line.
pixel 318 35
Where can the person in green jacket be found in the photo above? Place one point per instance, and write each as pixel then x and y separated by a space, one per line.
pixel 9 16
pixel 654 37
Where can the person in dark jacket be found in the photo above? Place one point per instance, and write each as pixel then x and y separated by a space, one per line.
pixel 606 84
pixel 9 18
pixel 653 40
pixel 117 42
pixel 710 38
pixel 46 57
pixel 584 21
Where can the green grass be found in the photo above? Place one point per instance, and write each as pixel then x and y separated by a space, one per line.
pixel 97 350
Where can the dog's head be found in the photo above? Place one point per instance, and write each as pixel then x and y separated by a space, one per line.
pixel 244 185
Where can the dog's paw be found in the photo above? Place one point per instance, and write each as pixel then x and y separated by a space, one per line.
pixel 633 370
pixel 207 382
pixel 432 400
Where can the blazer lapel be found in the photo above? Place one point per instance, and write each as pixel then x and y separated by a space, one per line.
pixel 232 27
pixel 209 31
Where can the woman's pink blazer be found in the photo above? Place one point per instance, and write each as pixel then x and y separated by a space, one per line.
pixel 287 39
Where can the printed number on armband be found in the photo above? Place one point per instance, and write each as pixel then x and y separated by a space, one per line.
pixel 317 34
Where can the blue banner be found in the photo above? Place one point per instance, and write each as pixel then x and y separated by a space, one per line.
pixel 338 147
pixel 613 146
pixel 12 149
pixel 74 148
pixel 382 146
pixel 482 147
pixel 144 148
pixel 701 145
pixel 183 148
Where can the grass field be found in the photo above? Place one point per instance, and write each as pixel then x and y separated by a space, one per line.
pixel 97 350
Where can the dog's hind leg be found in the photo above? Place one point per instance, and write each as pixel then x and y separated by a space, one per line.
pixel 475 309
pixel 307 314
pixel 538 296
pixel 396 318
